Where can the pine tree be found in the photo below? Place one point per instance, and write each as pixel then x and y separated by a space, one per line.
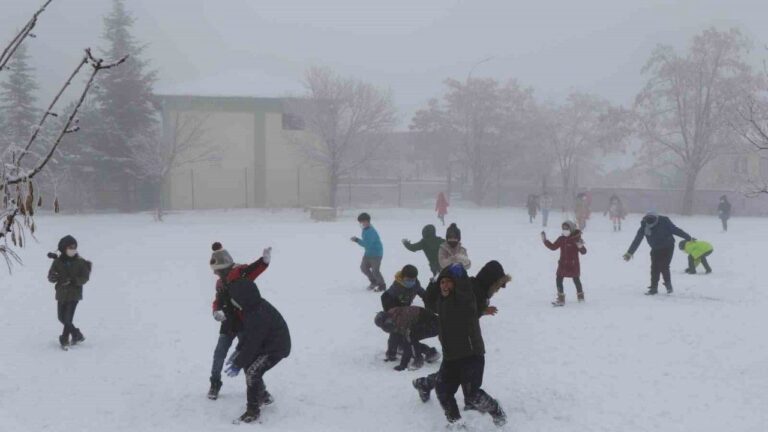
pixel 18 112
pixel 124 101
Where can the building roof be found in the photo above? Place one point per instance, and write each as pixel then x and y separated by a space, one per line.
pixel 252 83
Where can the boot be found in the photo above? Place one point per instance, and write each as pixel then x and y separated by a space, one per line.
pixel 433 355
pixel 417 363
pixel 560 301
pixel 77 337
pixel 580 297
pixel 213 392
pixel 422 386
pixel 451 409
pixel 484 403
pixel 652 291
pixel 251 414
pixel 669 288
pixel 267 399
pixel 371 287
pixel 64 342
pixel 390 357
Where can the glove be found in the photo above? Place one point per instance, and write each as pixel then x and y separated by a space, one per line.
pixel 491 310
pixel 219 316
pixel 627 256
pixel 405 241
pixel 355 239
pixel 400 368
pixel 580 244
pixel 232 371
pixel 266 256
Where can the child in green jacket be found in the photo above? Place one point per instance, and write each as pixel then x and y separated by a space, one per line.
pixel 697 251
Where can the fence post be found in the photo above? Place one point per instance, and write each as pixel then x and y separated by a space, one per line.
pixel 192 186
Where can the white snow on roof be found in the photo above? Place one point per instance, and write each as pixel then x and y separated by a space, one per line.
pixel 249 83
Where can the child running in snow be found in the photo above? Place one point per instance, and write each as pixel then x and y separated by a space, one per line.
pixel 408 326
pixel 374 253
pixel 452 251
pixel 697 251
pixel 430 243
pixel 70 272
pixel 224 311
pixel 570 245
pixel 441 207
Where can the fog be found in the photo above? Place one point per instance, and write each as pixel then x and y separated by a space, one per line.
pixel 595 46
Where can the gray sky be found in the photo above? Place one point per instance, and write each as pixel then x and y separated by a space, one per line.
pixel 254 47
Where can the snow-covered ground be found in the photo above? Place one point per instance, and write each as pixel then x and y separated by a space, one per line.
pixel 695 361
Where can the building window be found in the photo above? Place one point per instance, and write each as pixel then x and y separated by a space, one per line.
pixel 292 122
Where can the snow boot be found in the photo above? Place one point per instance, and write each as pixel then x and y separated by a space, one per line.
pixel 267 399
pixel 424 388
pixel 560 301
pixel 380 288
pixel 451 409
pixel 371 287
pixel 669 289
pixel 251 414
pixel 390 357
pixel 77 337
pixel 433 355
pixel 484 403
pixel 580 297
pixel 652 291
pixel 213 392
pixel 64 342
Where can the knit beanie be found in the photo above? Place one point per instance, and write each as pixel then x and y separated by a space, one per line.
pixel 220 259
pixel 453 232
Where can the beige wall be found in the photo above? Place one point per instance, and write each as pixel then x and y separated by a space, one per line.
pixel 291 181
pixel 222 183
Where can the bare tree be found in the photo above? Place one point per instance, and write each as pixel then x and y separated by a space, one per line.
pixel 17 181
pixel 183 142
pixel 346 119
pixel 578 129
pixel 685 105
pixel 484 124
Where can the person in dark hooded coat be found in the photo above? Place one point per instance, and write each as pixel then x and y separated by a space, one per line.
pixel 454 298
pixel 264 342
pixel 659 232
pixel 430 243
pixel 69 272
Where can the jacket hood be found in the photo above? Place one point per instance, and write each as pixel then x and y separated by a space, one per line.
pixel 490 274
pixel 66 242
pixel 571 226
pixel 245 294
pixel 429 232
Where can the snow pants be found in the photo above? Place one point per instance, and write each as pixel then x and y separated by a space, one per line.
pixel 660 262
pixel 66 313
pixel 371 268
pixel 254 378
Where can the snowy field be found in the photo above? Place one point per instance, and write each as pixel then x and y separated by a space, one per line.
pixel 695 361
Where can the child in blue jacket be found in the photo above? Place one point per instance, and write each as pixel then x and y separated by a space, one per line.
pixel 374 252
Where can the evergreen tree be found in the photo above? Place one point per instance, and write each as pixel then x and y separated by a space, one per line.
pixel 18 112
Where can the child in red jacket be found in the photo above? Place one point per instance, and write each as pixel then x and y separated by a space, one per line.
pixel 224 311
pixel 571 246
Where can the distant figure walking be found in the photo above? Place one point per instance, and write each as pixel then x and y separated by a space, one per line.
pixel 441 207
pixel 533 207
pixel 616 212
pixel 545 203
pixel 724 212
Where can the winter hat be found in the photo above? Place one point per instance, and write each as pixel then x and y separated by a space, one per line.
pixel 364 217
pixel 453 232
pixel 220 259
pixel 492 273
pixel 384 322
pixel 67 242
pixel 570 225
pixel 410 272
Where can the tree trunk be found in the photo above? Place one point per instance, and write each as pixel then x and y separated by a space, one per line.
pixel 333 180
pixel 478 186
pixel 690 189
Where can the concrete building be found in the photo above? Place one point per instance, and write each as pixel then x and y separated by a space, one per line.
pixel 256 157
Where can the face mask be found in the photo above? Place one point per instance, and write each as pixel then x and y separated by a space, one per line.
pixel 453 243
pixel 71 253
pixel 362 226
pixel 409 283
pixel 567 233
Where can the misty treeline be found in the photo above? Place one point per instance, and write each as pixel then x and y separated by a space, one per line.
pixel 31 138
pixel 700 103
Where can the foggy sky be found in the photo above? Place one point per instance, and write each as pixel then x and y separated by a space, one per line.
pixel 253 47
